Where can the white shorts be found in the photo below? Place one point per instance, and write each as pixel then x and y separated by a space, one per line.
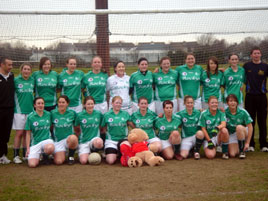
pixel 37 149
pixel 165 144
pixel 188 143
pixel 155 139
pixel 61 146
pixel 135 106
pixel 19 121
pixel 111 144
pixel 214 141
pixel 233 137
pixel 85 147
pixel 197 104
pixel 205 105
pixel 241 106
pixel 102 107
pixel 159 106
pixel 77 109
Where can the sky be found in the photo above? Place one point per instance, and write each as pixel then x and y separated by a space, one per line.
pixel 42 30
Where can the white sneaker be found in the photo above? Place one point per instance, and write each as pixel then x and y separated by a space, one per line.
pixel 218 149
pixel 4 160
pixel 264 149
pixel 251 149
pixel 225 156
pixel 17 160
pixel 242 155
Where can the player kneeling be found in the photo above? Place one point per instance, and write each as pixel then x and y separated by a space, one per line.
pixel 213 123
pixel 63 125
pixel 38 136
pixel 239 126
pixel 87 125
pixel 168 133
pixel 192 136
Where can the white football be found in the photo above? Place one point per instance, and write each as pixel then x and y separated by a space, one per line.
pixel 94 158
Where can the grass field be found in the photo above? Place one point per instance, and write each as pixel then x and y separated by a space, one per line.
pixel 242 180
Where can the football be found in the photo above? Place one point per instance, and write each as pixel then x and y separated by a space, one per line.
pixel 94 158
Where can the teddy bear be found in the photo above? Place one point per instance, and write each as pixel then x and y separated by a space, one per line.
pixel 140 150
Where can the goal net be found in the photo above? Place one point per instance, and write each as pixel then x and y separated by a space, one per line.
pixel 58 29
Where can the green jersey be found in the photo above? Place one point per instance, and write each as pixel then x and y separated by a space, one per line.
pixel 189 122
pixel 165 85
pixel 142 85
pixel 240 118
pixel 89 125
pixel 71 86
pixel 95 85
pixel 116 125
pixel 211 86
pixel 145 122
pixel 189 80
pixel 39 127
pixel 63 124
pixel 233 81
pixel 165 128
pixel 46 86
pixel 208 121
pixel 24 95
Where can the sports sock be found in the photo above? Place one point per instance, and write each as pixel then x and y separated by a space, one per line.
pixel 24 150
pixel 177 148
pixel 224 147
pixel 198 144
pixel 241 145
pixel 16 152
pixel 71 152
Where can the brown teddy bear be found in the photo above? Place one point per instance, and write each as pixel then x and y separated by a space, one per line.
pixel 137 138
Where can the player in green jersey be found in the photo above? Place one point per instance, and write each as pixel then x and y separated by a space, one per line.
pixel 165 85
pixel 88 124
pixel 211 81
pixel 234 79
pixel 213 124
pixel 144 119
pixel 192 136
pixel 46 82
pixel 189 81
pixel 24 88
pixel 70 85
pixel 239 126
pixel 168 132
pixel 38 136
pixel 115 123
pixel 94 84
pixel 141 85
pixel 63 127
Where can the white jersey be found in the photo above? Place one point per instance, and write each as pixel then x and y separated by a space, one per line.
pixel 119 86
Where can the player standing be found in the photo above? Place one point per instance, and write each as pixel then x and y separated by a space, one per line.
pixel 46 81
pixel 24 89
pixel 141 85
pixel 94 83
pixel 70 85
pixel 165 85
pixel 189 81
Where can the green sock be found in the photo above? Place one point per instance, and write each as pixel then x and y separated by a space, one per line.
pixel 241 145
pixel 224 147
pixel 71 152
pixel 24 150
pixel 198 144
pixel 16 152
pixel 177 148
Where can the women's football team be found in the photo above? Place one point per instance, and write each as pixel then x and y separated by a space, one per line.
pixel 50 127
